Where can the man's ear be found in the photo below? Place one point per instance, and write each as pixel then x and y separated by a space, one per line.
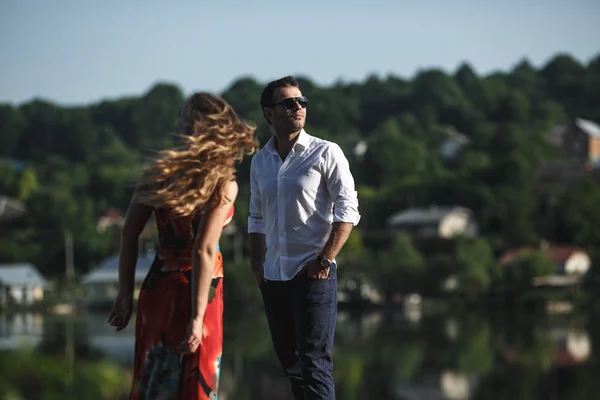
pixel 268 113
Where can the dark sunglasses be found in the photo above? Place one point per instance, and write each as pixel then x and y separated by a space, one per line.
pixel 290 102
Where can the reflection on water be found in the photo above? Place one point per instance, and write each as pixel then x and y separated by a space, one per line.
pixel 403 356
pixel 20 330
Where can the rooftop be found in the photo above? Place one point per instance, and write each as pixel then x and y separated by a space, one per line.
pixel 21 274
pixel 424 215
pixel 108 270
pixel 589 127
pixel 558 254
pixel 10 208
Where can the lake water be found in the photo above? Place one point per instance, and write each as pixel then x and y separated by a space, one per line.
pixel 405 356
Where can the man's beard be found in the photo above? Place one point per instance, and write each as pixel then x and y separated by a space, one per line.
pixel 292 126
pixel 297 124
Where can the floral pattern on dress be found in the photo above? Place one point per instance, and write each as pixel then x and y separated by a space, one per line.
pixel 161 373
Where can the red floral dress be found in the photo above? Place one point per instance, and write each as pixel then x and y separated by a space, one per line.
pixel 163 314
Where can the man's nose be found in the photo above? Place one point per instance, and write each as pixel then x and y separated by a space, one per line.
pixel 297 104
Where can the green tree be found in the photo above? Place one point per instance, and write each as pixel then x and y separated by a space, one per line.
pixel 400 269
pixel 519 274
pixel 475 265
pixel 12 124
pixel 392 155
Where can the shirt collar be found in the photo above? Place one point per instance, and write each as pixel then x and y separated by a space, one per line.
pixel 301 143
pixel 303 139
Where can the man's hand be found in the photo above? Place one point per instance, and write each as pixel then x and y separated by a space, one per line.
pixel 259 273
pixel 315 270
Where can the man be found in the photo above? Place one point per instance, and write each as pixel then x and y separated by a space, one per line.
pixel 303 206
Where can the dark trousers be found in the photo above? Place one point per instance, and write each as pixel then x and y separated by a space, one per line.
pixel 302 314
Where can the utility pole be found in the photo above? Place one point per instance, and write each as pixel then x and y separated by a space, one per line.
pixel 69 258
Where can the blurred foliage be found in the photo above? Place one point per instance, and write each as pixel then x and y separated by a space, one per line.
pixel 28 375
pixel 70 165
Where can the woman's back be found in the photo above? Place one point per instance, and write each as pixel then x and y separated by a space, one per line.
pixel 176 236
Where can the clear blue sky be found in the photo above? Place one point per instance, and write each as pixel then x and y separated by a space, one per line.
pixel 80 51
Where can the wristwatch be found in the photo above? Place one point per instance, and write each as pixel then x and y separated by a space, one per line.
pixel 325 263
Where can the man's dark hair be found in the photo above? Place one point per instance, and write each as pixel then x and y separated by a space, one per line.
pixel 266 98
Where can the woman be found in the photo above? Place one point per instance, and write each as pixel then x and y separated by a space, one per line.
pixel 191 191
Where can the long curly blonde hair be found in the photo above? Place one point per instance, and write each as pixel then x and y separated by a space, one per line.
pixel 191 177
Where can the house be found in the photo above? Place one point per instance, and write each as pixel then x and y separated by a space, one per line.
pixel 10 209
pixel 571 262
pixel 21 284
pixel 580 138
pixel 434 222
pixel 573 346
pixel 453 144
pixel 581 141
pixel 103 282
pixel 111 218
pixel 570 347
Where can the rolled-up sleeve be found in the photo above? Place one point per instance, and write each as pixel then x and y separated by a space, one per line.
pixel 256 223
pixel 340 184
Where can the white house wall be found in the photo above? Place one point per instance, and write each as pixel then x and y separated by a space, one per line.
pixel 453 225
pixel 577 264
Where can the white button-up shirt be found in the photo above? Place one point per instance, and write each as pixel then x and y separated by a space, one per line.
pixel 294 202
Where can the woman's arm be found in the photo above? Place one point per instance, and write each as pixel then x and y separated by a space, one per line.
pixel 135 221
pixel 205 250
